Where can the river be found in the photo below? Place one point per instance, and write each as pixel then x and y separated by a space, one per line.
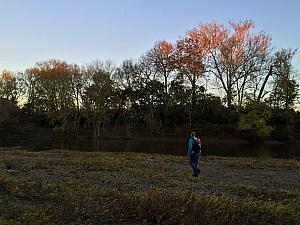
pixel 216 147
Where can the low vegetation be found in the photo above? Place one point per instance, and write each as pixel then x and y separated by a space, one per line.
pixel 64 187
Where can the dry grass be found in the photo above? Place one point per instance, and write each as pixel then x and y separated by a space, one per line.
pixel 64 187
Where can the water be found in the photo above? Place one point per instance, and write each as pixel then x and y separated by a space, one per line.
pixel 169 146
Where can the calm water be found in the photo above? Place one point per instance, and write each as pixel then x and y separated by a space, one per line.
pixel 172 147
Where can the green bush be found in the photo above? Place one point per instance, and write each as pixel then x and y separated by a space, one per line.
pixel 254 121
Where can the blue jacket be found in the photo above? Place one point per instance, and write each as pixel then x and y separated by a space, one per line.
pixel 191 144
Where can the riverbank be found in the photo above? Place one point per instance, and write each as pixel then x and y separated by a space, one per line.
pixel 65 187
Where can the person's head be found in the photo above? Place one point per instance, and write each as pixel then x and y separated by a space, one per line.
pixel 193 134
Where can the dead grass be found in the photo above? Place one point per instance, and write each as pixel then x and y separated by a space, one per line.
pixel 64 187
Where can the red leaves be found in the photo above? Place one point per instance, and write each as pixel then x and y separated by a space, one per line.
pixel 164 48
pixel 190 55
pixel 50 69
pixel 7 75
pixel 163 56
pixel 231 46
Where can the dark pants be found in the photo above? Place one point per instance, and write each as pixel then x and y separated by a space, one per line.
pixel 194 158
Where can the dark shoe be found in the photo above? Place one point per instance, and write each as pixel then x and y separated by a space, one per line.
pixel 195 175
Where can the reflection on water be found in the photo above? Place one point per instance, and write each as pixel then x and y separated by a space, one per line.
pixel 172 147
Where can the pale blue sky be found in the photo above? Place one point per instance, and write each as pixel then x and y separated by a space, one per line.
pixel 83 30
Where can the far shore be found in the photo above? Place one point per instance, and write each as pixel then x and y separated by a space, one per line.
pixel 55 136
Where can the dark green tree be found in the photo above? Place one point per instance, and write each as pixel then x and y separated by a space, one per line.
pixel 285 87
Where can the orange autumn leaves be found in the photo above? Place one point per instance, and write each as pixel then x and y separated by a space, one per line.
pixel 231 53
pixel 50 69
pixel 6 75
pixel 230 44
pixel 164 48
pixel 164 53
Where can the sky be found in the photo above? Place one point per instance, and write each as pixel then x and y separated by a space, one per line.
pixel 80 31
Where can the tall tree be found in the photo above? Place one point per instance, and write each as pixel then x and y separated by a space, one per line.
pixel 126 77
pixel 190 59
pixel 78 81
pixel 97 95
pixel 33 93
pixel 49 90
pixel 233 54
pixel 163 58
pixel 285 87
pixel 54 80
pixel 10 86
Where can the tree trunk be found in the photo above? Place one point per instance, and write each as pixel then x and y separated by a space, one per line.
pixel 264 84
pixel 190 116
pixel 229 97
pixel 193 90
pixel 166 93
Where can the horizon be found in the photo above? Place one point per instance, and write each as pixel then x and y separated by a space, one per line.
pixel 78 32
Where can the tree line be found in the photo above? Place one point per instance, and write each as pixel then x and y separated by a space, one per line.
pixel 216 76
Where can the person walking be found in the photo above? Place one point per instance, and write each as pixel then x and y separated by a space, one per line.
pixel 194 149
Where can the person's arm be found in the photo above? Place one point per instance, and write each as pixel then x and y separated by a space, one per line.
pixel 200 143
pixel 190 146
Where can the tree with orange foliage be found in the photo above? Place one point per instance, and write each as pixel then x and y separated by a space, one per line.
pixel 162 57
pixel 9 86
pixel 190 60
pixel 235 54
pixel 55 81
pixel 49 89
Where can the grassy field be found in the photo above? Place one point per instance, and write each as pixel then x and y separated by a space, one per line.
pixel 65 187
